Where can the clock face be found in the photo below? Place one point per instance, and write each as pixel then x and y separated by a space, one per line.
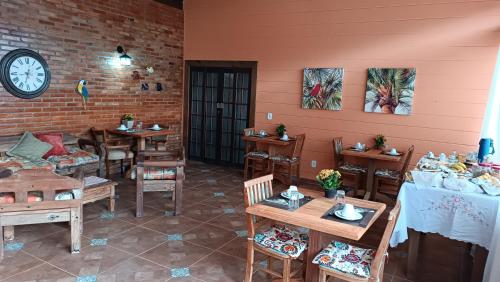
pixel 27 74
pixel 24 73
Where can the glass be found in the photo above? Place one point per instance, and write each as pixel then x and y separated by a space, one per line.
pixel 139 125
pixel 293 202
pixel 340 197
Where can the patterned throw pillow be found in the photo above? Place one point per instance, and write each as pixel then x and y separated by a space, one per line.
pixel 345 258
pixel 54 139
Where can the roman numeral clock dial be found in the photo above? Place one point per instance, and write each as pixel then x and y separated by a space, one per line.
pixel 24 73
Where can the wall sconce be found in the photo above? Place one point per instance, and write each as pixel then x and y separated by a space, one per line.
pixel 125 60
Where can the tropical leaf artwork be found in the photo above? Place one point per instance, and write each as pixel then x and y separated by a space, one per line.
pixel 322 89
pixel 390 90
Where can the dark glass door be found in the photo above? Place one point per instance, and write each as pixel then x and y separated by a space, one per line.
pixel 219 111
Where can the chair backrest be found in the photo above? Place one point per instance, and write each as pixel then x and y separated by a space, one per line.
pixel 299 144
pixel 378 261
pixel 258 189
pixel 99 135
pixel 406 163
pixel 249 146
pixel 337 151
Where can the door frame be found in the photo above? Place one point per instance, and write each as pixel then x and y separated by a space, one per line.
pixel 189 64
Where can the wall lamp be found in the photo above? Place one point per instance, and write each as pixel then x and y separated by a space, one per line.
pixel 125 60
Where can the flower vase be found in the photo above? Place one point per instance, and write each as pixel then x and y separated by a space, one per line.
pixel 330 193
pixel 129 124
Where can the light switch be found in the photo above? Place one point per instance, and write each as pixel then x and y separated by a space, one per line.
pixel 313 163
pixel 269 116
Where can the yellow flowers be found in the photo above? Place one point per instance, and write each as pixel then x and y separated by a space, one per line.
pixel 128 116
pixel 329 179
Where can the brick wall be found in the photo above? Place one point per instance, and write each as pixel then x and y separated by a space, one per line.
pixel 78 39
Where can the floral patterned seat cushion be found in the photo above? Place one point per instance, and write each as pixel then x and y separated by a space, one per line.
pixel 394 174
pixel 342 257
pixel 353 168
pixel 155 173
pixel 75 157
pixel 17 163
pixel 258 154
pixel 36 196
pixel 282 240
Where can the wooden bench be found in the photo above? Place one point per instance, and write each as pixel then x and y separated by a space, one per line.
pixel 48 210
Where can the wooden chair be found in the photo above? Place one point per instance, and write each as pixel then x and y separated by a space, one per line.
pixel 376 263
pixel 256 158
pixel 157 141
pixel 116 149
pixel 358 173
pixel 388 182
pixel 289 165
pixel 255 191
pixel 160 171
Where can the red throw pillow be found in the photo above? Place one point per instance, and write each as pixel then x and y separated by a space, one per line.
pixel 54 139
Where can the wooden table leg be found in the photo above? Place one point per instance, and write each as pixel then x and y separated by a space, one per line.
pixel 478 263
pixel 141 144
pixel 314 247
pixel 414 240
pixel 75 229
pixel 369 178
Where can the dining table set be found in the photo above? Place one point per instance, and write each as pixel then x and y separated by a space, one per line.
pixel 456 200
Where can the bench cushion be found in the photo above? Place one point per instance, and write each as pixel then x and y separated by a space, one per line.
pixel 17 163
pixel 155 173
pixel 75 157
pixel 35 196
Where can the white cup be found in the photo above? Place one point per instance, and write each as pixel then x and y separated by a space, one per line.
pixel 285 137
pixel 393 151
pixel 122 127
pixel 430 155
pixel 348 211
pixel 262 132
pixel 156 126
pixel 292 188
pixel 359 146
pixel 442 157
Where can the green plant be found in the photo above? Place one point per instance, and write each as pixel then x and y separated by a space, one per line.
pixel 329 179
pixel 379 140
pixel 128 116
pixel 281 129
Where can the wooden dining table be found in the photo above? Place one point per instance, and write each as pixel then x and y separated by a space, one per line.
pixel 372 155
pixel 309 216
pixel 141 135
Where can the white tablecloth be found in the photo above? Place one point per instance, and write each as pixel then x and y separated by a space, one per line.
pixel 468 217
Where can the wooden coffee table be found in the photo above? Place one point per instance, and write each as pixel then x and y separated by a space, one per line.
pixel 97 188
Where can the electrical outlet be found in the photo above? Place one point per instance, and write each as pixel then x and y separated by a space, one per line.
pixel 269 116
pixel 313 163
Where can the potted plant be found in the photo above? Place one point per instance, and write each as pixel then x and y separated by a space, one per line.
pixel 128 120
pixel 380 141
pixel 280 130
pixel 329 180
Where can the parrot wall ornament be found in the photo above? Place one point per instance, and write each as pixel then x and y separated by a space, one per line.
pixel 81 88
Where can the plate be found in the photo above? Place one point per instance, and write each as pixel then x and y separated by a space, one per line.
pixel 284 194
pixel 122 129
pixel 339 214
pixel 394 155
pixel 155 129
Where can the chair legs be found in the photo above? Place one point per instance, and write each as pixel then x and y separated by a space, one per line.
pixel 250 259
pixel 322 275
pixel 287 270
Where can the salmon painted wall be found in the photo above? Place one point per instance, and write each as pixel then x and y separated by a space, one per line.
pixel 452 44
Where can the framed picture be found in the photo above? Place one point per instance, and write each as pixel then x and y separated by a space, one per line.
pixel 322 88
pixel 390 90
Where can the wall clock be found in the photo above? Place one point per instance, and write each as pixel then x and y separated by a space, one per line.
pixel 24 73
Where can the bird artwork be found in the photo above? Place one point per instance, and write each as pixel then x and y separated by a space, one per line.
pixel 81 89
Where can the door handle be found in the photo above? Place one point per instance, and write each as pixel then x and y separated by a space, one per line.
pixel 220 105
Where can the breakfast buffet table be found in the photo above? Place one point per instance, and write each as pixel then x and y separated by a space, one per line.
pixel 462 212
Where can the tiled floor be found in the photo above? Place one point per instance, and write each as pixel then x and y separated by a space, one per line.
pixel 206 243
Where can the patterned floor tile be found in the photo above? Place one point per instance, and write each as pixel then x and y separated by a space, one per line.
pixel 230 221
pixel 15 262
pixel 209 236
pixel 176 254
pixel 172 224
pixel 201 212
pixel 137 240
pixel 105 228
pixel 135 269
pixel 219 267
pixel 44 272
pixel 52 246
pixel 32 232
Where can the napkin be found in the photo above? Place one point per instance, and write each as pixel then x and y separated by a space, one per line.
pixel 461 184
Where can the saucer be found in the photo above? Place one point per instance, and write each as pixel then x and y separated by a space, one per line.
pixel 391 154
pixel 122 129
pixel 155 129
pixel 357 215
pixel 284 194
